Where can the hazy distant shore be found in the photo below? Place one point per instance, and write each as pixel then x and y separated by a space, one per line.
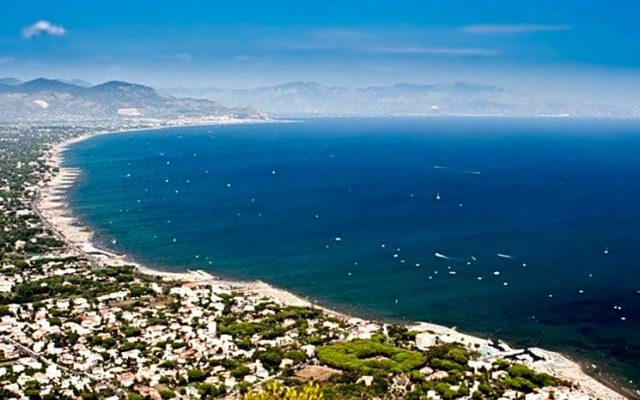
pixel 52 206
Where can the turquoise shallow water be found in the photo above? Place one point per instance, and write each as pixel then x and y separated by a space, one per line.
pixel 347 213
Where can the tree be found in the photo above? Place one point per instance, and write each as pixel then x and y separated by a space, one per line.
pixel 445 391
pixel 196 375
pixel 240 371
pixel 167 394
pixel 296 355
pixel 88 396
pixel 271 358
pixel 520 384
pixel 275 391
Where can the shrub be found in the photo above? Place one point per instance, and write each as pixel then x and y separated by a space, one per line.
pixel 275 391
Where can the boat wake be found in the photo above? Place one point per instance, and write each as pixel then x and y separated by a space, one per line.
pixel 458 170
pixel 440 255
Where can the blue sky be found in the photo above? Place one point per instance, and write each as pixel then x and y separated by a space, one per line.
pixel 585 49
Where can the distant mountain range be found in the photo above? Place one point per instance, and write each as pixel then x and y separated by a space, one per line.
pixel 315 99
pixel 55 100
pixel 10 81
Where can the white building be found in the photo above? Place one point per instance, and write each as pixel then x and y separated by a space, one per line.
pixel 425 340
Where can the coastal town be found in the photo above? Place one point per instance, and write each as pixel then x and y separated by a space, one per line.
pixel 79 322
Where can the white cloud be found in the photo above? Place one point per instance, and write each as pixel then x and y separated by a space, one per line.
pixel 517 28
pixel 175 57
pixel 385 42
pixel 443 51
pixel 341 34
pixel 243 58
pixel 43 27
pixel 6 60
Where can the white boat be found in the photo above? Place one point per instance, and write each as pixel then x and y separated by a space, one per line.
pixel 438 196
pixel 606 250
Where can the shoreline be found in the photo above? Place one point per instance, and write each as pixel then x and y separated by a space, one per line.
pixel 52 207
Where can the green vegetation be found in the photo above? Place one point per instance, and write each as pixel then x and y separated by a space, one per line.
pixel 524 379
pixel 210 391
pixel 240 329
pixel 449 351
pixel 196 375
pixel 240 371
pixel 275 391
pixel 86 286
pixel 167 394
pixel 271 358
pixel 369 356
pixel 296 355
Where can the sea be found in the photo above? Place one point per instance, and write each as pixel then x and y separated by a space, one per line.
pixel 527 230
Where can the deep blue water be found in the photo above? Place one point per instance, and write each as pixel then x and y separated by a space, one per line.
pixel 268 202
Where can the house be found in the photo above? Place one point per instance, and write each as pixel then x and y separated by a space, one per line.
pixel 425 340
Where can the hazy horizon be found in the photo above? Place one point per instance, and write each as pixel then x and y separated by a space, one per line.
pixel 548 50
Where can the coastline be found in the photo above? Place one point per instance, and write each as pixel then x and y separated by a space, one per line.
pixel 50 205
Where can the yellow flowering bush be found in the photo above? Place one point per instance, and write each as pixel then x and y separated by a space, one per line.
pixel 275 391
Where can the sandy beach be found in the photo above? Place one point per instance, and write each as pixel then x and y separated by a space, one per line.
pixel 52 206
